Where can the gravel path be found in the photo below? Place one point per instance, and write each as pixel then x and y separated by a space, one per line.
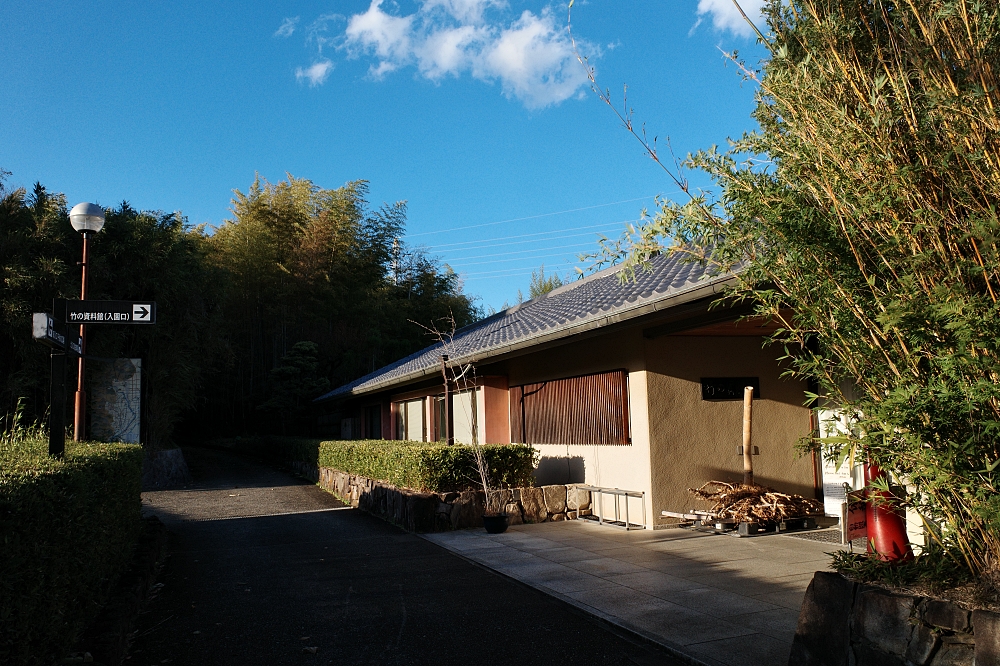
pixel 269 569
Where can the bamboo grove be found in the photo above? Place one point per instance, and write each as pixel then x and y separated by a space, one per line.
pixel 302 288
pixel 865 205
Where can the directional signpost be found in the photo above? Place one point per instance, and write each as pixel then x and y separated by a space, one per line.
pixel 53 330
pixel 110 312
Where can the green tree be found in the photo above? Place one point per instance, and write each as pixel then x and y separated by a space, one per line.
pixel 866 205
pixel 540 284
pixel 294 383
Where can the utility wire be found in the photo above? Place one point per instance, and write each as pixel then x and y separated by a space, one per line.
pixel 533 257
pixel 529 217
pixel 607 225
pixel 540 247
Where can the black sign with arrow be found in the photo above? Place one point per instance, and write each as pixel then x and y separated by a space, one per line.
pixel 110 312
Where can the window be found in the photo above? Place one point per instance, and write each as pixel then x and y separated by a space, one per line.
pixel 373 422
pixel 410 420
pixel 468 414
pixel 592 409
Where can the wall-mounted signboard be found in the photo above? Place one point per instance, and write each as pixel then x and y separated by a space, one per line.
pixel 728 388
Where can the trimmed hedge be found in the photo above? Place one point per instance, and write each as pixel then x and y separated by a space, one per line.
pixel 429 466
pixel 67 531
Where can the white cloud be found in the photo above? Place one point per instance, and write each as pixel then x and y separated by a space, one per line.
pixel 534 61
pixel 531 57
pixel 287 27
pixel 725 15
pixel 316 73
pixel 388 36
pixel 465 11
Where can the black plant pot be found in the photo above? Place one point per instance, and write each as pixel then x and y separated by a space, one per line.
pixel 496 524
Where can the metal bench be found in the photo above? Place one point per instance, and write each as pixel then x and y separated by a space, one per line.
pixel 597 494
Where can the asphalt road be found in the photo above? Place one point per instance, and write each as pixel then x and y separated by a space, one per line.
pixel 268 569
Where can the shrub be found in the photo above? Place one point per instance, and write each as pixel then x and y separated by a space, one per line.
pixel 67 529
pixel 420 465
pixel 864 214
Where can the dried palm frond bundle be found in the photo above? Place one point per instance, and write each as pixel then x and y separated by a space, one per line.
pixel 753 504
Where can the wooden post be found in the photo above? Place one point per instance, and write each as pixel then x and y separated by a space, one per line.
pixel 747 432
pixel 448 438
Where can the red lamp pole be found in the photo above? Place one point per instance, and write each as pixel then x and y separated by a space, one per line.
pixel 87 218
pixel 80 398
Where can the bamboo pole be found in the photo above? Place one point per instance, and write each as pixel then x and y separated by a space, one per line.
pixel 747 432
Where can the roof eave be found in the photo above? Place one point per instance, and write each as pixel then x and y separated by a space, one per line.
pixel 711 288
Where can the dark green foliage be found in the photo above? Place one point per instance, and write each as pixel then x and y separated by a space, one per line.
pixel 418 465
pixel 293 385
pixel 151 256
pixel 67 530
pixel 306 264
pixel 297 265
pixel 935 570
pixel 38 255
pixel 542 284
pixel 863 217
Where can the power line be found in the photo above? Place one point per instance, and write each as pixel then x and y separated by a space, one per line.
pixel 570 248
pixel 513 272
pixel 513 252
pixel 607 225
pixel 529 217
pixel 542 247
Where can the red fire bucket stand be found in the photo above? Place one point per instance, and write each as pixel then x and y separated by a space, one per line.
pixel 886 527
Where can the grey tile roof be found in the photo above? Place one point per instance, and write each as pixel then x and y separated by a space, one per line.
pixel 595 301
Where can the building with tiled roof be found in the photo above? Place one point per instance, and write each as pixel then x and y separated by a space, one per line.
pixel 634 384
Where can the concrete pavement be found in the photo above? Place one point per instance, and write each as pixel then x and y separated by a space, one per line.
pixel 716 599
pixel 267 569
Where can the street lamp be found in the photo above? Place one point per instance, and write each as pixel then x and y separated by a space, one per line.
pixel 87 218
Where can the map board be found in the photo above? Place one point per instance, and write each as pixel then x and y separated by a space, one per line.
pixel 115 400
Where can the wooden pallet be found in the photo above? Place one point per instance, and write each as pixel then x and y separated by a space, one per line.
pixel 705 521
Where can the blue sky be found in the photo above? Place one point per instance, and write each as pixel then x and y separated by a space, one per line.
pixel 475 112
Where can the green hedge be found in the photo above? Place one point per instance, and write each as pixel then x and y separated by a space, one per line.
pixel 421 465
pixel 67 530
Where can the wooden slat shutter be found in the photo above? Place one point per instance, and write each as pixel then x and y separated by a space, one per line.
pixel 592 409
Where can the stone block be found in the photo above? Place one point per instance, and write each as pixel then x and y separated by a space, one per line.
pixel 577 498
pixel 513 511
pixel 922 644
pixel 822 637
pixel 986 627
pixel 585 512
pixel 555 498
pixel 421 512
pixel 571 515
pixel 467 511
pixel 557 517
pixel 946 615
pixel 498 499
pixel 958 654
pixel 533 502
pixel 883 618
pixel 866 654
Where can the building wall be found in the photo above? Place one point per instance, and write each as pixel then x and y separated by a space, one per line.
pixel 694 441
pixel 626 467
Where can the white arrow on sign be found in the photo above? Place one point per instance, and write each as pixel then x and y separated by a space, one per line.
pixel 140 311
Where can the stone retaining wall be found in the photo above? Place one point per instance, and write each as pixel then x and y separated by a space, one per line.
pixel 844 623
pixel 437 512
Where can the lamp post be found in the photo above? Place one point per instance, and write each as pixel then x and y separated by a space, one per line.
pixel 87 218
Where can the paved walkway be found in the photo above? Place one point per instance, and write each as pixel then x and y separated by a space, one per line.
pixel 269 570
pixel 714 599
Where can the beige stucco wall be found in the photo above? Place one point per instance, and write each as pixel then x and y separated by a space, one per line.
pixel 625 467
pixel 693 441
